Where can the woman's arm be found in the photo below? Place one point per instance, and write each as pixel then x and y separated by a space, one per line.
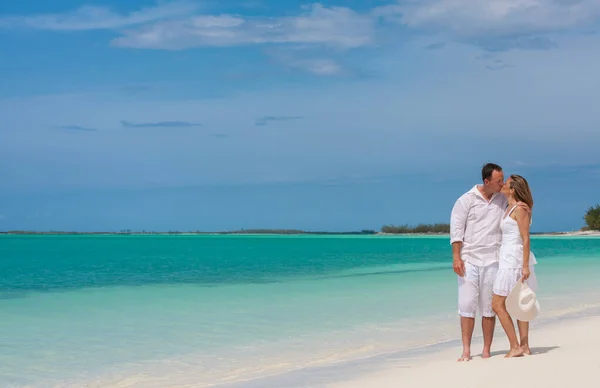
pixel 522 218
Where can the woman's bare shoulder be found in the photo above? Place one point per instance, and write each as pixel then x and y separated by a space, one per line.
pixel 520 212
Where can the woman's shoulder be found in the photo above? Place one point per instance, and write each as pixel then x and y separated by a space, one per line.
pixel 520 212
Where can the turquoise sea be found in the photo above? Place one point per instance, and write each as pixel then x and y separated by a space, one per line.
pixel 194 311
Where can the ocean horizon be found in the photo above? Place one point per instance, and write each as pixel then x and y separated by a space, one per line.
pixel 169 310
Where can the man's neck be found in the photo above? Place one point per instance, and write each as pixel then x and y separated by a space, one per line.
pixel 485 194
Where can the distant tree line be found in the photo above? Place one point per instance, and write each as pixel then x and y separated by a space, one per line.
pixel 389 229
pixel 592 217
pixel 293 231
pixel 421 228
pixel 241 231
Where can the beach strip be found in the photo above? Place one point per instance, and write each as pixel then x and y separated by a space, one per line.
pixel 565 353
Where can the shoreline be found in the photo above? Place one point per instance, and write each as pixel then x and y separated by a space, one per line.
pixel 568 349
pixel 587 233
pixel 413 367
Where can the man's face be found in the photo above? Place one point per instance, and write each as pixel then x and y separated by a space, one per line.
pixel 496 182
pixel 506 188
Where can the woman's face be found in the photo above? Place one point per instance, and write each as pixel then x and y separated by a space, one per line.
pixel 506 190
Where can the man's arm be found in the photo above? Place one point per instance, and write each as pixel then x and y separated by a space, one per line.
pixel 458 224
pixel 525 207
pixel 457 263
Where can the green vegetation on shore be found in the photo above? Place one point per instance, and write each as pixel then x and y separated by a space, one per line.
pixel 242 231
pixel 592 220
pixel 421 228
pixel 387 229
pixel 592 217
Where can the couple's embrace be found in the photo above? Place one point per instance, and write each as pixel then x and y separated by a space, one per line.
pixel 489 231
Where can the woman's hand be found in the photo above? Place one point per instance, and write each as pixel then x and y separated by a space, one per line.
pixel 526 273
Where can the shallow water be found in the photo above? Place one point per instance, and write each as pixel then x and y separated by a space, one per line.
pixel 110 310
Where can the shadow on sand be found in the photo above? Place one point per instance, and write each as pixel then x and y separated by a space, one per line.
pixel 534 351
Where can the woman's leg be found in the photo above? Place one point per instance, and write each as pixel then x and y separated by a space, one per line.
pixel 524 333
pixel 499 306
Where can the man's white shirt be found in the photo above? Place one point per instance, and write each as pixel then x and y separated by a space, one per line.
pixel 476 222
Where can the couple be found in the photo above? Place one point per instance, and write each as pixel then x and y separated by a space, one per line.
pixel 489 231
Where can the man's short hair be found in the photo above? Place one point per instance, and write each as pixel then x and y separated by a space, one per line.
pixel 488 169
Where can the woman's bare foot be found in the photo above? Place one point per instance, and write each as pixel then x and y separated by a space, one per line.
pixel 486 354
pixel 526 350
pixel 465 357
pixel 518 352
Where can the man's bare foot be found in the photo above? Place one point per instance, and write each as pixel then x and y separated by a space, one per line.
pixel 486 354
pixel 526 350
pixel 466 356
pixel 518 352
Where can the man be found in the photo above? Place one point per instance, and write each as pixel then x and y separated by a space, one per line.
pixel 475 236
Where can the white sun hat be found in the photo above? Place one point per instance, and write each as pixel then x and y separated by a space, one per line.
pixel 522 303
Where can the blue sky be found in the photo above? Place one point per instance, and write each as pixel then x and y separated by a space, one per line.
pixel 338 115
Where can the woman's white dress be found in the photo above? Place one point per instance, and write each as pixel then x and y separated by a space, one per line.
pixel 510 266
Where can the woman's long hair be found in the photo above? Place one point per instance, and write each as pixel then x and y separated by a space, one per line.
pixel 522 191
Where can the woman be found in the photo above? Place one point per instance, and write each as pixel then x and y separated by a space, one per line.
pixel 516 260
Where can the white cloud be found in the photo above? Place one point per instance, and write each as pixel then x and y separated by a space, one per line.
pixel 318 66
pixel 476 18
pixel 335 27
pixel 317 61
pixel 177 25
pixel 96 18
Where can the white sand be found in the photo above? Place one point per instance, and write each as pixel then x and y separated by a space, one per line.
pixel 565 354
pixel 587 233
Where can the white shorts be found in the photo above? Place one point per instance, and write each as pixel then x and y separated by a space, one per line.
pixel 507 278
pixel 475 290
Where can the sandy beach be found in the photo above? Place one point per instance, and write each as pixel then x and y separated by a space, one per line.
pixel 577 233
pixel 565 353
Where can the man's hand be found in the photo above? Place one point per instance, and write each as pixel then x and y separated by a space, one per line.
pixel 459 267
pixel 524 206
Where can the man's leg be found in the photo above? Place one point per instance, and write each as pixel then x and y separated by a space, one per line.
pixel 468 295
pixel 488 321
pixel 466 326
pixel 488 325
